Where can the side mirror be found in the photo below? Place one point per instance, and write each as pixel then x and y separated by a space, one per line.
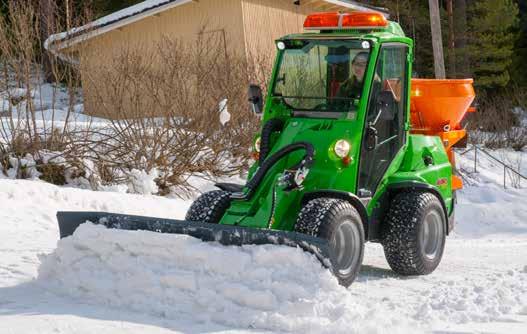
pixel 371 138
pixel 256 98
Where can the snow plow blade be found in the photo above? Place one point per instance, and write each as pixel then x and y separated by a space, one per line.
pixel 224 234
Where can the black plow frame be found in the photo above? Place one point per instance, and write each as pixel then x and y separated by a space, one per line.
pixel 224 234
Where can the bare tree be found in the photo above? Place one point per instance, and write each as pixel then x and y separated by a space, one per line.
pixel 47 9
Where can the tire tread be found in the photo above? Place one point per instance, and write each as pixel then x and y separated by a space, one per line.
pixel 320 217
pixel 401 233
pixel 209 207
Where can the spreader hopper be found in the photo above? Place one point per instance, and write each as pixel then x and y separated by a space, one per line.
pixel 438 106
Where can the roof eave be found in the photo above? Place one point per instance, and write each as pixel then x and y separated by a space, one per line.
pixel 58 42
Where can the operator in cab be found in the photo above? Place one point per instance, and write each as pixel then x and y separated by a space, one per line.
pixel 352 87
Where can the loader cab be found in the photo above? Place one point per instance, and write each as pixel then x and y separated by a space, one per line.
pixel 317 77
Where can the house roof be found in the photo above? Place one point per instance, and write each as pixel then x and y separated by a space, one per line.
pixel 110 22
pixel 138 12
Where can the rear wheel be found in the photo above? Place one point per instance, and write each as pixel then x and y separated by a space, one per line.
pixel 338 222
pixel 415 233
pixel 209 207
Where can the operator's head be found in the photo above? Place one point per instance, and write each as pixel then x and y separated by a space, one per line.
pixel 358 65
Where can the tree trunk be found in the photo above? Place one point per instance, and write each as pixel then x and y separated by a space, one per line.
pixel 437 42
pixel 460 15
pixel 47 27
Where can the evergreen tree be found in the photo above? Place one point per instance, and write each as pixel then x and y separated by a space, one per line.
pixel 105 7
pixel 491 43
pixel 3 8
pixel 518 68
pixel 460 31
pixel 414 18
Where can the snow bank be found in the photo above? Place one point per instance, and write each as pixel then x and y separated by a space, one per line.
pixel 489 210
pixel 51 106
pixel 485 208
pixel 274 288
pixel 28 223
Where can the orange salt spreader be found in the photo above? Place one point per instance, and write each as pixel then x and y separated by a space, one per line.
pixel 437 107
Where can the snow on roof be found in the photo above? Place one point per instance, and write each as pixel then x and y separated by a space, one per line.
pixel 132 10
pixel 113 21
pixel 136 13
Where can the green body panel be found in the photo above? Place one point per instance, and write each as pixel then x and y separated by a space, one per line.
pixel 273 207
pixel 409 166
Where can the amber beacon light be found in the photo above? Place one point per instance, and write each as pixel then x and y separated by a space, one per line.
pixel 353 20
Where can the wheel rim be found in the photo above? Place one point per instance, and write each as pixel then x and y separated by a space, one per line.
pixel 345 246
pixel 431 235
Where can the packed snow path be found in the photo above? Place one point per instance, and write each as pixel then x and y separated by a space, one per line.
pixel 104 281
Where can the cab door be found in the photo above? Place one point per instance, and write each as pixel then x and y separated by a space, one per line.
pixel 384 132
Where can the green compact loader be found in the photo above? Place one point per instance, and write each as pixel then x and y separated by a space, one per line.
pixel 351 149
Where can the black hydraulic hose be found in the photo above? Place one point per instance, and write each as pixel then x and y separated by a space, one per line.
pixel 269 127
pixel 306 161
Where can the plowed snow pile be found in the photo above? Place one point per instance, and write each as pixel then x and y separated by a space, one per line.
pixel 276 288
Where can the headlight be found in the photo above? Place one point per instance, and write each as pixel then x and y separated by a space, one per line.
pixel 257 143
pixel 342 148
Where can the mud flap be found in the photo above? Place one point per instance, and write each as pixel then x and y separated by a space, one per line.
pixel 224 234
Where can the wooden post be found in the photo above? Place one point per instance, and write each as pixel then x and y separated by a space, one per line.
pixel 437 42
pixel 47 27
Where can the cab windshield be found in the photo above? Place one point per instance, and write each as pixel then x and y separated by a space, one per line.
pixel 322 75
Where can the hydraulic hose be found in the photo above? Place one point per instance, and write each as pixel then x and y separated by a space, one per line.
pixel 269 127
pixel 306 161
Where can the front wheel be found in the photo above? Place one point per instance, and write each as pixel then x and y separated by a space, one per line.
pixel 338 222
pixel 209 207
pixel 415 233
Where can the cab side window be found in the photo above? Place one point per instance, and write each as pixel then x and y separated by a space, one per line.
pixel 386 111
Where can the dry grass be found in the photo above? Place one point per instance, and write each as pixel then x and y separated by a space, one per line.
pixel 496 125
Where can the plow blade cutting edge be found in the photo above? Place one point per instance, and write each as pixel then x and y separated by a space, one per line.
pixel 224 234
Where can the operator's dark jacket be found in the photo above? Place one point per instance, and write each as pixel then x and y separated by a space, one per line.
pixel 350 88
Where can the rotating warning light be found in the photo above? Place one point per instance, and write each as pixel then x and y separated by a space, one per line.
pixel 353 20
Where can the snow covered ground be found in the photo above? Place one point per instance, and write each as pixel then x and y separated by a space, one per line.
pixel 104 281
pixel 50 102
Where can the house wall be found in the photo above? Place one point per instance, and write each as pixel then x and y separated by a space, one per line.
pixel 265 21
pixel 249 28
pixel 222 19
